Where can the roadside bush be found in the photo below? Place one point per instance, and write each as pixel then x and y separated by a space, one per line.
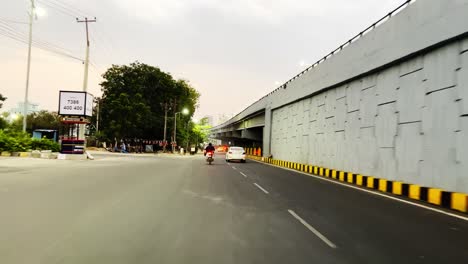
pixel 45 144
pixel 13 141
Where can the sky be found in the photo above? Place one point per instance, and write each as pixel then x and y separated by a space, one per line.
pixel 232 51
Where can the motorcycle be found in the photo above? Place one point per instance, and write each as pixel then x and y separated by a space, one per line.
pixel 209 157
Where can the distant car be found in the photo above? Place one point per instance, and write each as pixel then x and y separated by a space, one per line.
pixel 235 153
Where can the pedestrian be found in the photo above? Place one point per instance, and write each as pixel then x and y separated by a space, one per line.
pixel 123 148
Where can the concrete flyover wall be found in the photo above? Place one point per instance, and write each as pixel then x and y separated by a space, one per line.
pixel 408 122
pixel 391 104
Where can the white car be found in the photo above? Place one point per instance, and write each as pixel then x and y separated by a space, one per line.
pixel 235 153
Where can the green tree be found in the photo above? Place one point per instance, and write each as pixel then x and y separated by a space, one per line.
pixel 2 99
pixel 39 120
pixel 199 132
pixel 132 104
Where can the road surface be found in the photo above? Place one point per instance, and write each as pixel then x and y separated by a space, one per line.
pixel 154 209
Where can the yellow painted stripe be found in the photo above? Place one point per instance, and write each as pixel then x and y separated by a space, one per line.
pixel 397 188
pixel 370 182
pixel 414 191
pixel 460 202
pixel 24 154
pixel 382 185
pixel 311 168
pixel 359 179
pixel 434 196
pixel 327 172
pixel 342 174
pixel 334 174
pixel 321 172
pixel 350 177
pixel 315 170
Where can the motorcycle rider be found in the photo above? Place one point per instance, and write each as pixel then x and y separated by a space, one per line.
pixel 209 148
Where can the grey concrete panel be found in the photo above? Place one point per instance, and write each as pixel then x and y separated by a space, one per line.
pixel 464 45
pixel 341 92
pixel 410 97
pixel 304 149
pixel 352 126
pixel 313 111
pixel 387 164
pixel 440 121
pixel 462 83
pixel 412 65
pixel 387 84
pixel 368 107
pixel 386 125
pixel 330 103
pixel 340 150
pixel 368 152
pixel 330 127
pixel 409 153
pixel 369 81
pixel 340 114
pixel 441 113
pixel 353 95
pixel 439 67
pixel 461 159
pixel 321 119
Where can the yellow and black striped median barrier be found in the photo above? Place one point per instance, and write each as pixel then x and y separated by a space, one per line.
pixel 450 200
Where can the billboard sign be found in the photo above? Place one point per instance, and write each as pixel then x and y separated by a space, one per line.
pixel 75 103
pixel 89 105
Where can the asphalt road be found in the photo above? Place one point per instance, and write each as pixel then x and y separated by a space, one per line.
pixel 127 209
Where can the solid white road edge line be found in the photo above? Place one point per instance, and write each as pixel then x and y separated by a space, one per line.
pixel 373 192
pixel 312 229
pixel 243 174
pixel 261 188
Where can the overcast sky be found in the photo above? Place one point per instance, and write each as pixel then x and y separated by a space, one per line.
pixel 232 51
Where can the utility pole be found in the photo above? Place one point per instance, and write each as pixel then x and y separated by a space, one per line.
pixel 25 109
pixel 97 114
pixel 175 127
pixel 167 107
pixel 85 80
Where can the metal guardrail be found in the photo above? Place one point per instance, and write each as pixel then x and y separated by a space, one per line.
pixel 337 50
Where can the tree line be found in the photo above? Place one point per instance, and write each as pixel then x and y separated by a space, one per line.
pixel 133 104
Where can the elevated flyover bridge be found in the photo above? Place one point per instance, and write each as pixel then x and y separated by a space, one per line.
pixel 390 104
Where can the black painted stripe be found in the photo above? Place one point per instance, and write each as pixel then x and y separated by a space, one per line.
pixel 423 193
pixel 446 199
pixel 405 189
pixel 353 177
pixel 376 183
pixel 389 186
pixel 364 181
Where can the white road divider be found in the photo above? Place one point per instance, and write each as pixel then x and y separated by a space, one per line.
pixel 261 188
pixel 312 229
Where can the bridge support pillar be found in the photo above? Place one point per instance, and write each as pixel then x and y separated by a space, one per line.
pixel 267 133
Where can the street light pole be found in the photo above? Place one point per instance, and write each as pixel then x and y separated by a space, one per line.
pixel 26 93
pixel 166 109
pixel 175 132
pixel 185 111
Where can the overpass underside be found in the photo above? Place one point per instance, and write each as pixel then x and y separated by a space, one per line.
pixel 250 137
